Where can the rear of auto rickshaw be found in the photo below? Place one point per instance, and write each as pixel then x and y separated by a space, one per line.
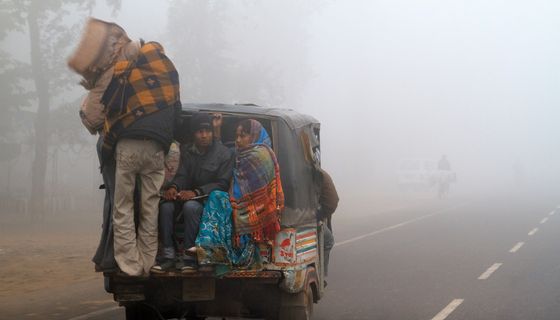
pixel 290 279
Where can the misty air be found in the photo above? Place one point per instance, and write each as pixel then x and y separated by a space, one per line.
pixel 322 159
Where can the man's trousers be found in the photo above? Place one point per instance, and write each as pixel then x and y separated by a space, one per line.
pixel 135 254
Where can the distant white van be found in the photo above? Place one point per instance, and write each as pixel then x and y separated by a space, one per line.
pixel 416 174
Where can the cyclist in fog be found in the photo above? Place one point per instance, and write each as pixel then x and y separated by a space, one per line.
pixel 444 164
pixel 444 176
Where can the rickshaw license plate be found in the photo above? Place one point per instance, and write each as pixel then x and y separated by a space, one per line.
pixel 199 289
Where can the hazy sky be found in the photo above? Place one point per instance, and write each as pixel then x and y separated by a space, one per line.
pixel 476 80
pixel 140 19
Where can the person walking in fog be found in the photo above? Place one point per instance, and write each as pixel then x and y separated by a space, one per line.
pixel 444 164
pixel 445 176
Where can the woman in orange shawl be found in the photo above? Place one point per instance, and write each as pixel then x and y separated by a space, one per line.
pixel 256 191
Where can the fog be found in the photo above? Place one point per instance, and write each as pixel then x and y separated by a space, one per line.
pixel 388 80
pixel 473 81
pixel 397 80
pixel 391 82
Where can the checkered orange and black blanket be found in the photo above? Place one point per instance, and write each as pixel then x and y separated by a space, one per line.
pixel 138 88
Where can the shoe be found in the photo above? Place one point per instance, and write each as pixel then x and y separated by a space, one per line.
pixel 123 275
pixel 164 266
pixel 189 266
pixel 206 268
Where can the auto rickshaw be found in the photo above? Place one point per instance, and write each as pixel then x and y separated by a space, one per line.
pixel 290 279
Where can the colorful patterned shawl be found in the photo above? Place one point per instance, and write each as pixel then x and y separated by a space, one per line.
pixel 138 88
pixel 215 236
pixel 256 193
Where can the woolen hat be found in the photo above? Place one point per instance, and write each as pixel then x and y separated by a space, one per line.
pixel 201 121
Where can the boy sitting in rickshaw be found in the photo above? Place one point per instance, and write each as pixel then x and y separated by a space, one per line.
pixel 206 165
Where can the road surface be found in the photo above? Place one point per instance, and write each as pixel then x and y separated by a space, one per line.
pixel 466 258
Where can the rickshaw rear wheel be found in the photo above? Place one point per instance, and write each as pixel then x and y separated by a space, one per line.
pixel 139 311
pixel 300 311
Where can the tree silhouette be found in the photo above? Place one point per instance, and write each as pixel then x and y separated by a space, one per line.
pixel 51 27
pixel 14 96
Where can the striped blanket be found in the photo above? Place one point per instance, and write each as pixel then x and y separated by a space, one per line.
pixel 256 197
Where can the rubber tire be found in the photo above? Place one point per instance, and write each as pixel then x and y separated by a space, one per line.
pixel 298 312
pixel 139 312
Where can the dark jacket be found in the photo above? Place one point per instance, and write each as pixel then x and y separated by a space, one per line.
pixel 204 172
pixel 157 126
pixel 328 198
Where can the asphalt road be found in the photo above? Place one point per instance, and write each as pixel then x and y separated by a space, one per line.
pixel 467 258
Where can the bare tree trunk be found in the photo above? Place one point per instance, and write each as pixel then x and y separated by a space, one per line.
pixel 39 165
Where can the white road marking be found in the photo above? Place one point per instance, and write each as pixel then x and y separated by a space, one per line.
pixel 366 235
pixel 516 247
pixel 447 310
pixel 532 232
pixel 551 213
pixel 95 313
pixel 489 272
pixel 544 220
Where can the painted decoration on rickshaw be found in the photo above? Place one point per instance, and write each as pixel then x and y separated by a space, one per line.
pixel 306 244
pixel 265 250
pixel 285 247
